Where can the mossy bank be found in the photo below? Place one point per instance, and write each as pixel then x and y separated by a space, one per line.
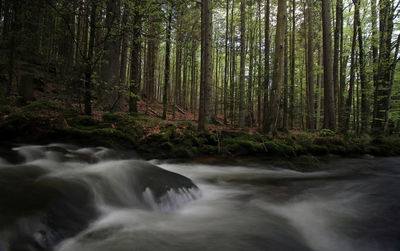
pixel 44 122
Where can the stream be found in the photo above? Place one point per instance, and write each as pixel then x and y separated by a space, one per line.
pixel 67 198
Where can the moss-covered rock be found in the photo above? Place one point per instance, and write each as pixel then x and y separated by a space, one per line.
pixel 305 163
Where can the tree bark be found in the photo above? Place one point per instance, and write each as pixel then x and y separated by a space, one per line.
pixel 266 65
pixel 363 77
pixel 167 64
pixel 242 61
pixel 310 121
pixel 329 102
pixel 206 63
pixel 277 77
pixel 134 86
pixel 292 66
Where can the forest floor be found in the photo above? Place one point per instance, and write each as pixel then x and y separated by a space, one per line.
pixel 44 121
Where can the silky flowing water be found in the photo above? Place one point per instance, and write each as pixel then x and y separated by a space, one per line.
pixel 347 204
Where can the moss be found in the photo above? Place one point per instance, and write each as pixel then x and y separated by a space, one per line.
pixel 305 163
pixel 6 110
pixel 387 145
pixel 317 149
pixel 40 106
pixel 329 140
pixel 113 117
pixel 279 148
pixel 183 152
pixel 208 149
pixel 103 136
pixel 85 121
pixel 326 133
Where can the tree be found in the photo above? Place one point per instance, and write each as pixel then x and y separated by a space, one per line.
pixel 266 65
pixel 277 77
pixel 310 122
pixel 111 89
pixel 382 88
pixel 167 63
pixel 206 63
pixel 329 102
pixel 362 63
pixel 135 57
pixel 242 61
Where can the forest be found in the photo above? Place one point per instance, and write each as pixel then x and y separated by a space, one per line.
pixel 266 65
pixel 193 125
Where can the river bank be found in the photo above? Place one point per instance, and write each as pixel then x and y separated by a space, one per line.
pixel 43 122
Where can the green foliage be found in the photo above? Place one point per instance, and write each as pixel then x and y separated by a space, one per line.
pixel 326 133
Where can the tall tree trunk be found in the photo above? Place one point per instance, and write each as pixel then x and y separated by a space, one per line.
pixel 233 68
pixel 343 65
pixel 260 88
pixel 167 64
pixel 112 47
pixel 226 64
pixel 374 49
pixel 206 63
pixel 310 122
pixel 90 64
pixel 329 102
pixel 320 84
pixel 277 77
pixel 352 75
pixel 285 84
pixel 134 86
pixel 124 56
pixel 338 26
pixel 363 77
pixel 250 112
pixel 242 61
pixel 292 66
pixel 178 60
pixel 266 65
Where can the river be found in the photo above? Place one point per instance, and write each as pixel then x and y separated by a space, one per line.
pixel 65 198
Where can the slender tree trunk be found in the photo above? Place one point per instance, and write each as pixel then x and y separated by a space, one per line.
pixel 338 26
pixel 250 84
pixel 310 122
pixel 226 64
pixel 343 65
pixel 352 75
pixel 329 102
pixel 374 49
pixel 90 65
pixel 206 63
pixel 124 57
pixel 320 84
pixel 233 68
pixel 292 66
pixel 167 65
pixel 110 70
pixel 285 83
pixel 363 78
pixel 260 88
pixel 242 61
pixel 134 86
pixel 266 65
